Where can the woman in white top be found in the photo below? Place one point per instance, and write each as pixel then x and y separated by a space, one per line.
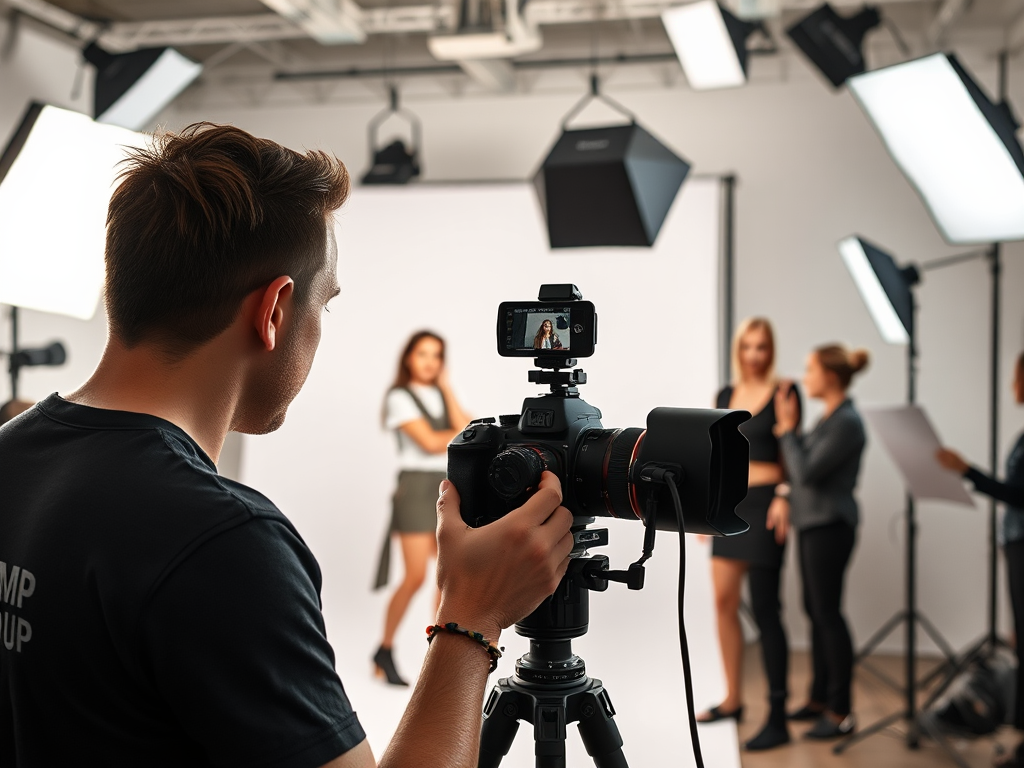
pixel 425 416
pixel 546 337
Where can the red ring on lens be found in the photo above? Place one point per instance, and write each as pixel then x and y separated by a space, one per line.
pixel 632 486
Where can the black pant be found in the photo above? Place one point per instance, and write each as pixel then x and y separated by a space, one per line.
pixel 764 600
pixel 824 554
pixel 1015 572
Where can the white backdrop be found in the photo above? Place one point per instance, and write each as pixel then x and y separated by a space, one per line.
pixel 443 257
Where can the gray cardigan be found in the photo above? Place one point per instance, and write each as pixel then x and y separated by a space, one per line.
pixel 823 467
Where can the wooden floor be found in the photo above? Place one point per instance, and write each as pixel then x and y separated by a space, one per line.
pixel 872 700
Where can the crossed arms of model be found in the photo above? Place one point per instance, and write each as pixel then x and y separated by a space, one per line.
pixel 489 577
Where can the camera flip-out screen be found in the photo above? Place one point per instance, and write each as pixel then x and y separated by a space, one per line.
pixel 532 329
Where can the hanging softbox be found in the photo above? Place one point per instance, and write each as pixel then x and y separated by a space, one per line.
pixel 608 186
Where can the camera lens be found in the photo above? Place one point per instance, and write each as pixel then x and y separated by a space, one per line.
pixel 515 471
pixel 601 473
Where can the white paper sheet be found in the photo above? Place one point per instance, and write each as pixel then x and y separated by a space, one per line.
pixel 912 442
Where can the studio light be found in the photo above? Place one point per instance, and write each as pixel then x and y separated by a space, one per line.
pixel 56 177
pixel 131 88
pixel 884 286
pixel 710 42
pixel 834 43
pixel 52 354
pixel 607 186
pixel 957 148
pixel 394 163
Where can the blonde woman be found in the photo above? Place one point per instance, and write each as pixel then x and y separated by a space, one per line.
pixel 758 553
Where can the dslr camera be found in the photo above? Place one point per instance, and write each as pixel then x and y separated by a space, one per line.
pixel 496 463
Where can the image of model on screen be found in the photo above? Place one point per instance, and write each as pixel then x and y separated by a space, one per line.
pixel 423 413
pixel 546 337
pixel 758 553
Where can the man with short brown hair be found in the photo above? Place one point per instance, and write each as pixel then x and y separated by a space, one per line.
pixel 156 613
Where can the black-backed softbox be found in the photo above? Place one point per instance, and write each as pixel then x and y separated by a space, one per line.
pixel 834 43
pixel 608 186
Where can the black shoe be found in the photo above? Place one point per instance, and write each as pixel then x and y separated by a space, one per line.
pixel 385 667
pixel 771 736
pixel 827 728
pixel 715 714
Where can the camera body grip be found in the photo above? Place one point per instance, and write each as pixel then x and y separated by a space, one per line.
pixel 469 458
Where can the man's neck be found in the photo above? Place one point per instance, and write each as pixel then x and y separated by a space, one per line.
pixel 198 394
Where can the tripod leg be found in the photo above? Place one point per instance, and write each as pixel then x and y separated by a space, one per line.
pixel 860 735
pixel 549 735
pixel 886 629
pixel 501 721
pixel 599 732
pixel 937 638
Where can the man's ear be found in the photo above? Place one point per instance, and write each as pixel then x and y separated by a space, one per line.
pixel 270 314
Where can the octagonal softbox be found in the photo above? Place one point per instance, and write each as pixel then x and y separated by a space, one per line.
pixel 608 186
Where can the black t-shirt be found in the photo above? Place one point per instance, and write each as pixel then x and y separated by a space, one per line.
pixel 153 612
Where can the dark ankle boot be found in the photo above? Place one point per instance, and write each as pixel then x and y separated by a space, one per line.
pixel 771 736
pixel 385 667
pixel 775 732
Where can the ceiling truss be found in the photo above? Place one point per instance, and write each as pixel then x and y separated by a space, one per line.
pixel 427 18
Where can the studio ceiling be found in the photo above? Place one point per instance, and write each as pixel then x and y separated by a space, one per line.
pixel 278 35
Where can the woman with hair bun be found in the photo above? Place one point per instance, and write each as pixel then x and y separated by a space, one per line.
pixel 823 466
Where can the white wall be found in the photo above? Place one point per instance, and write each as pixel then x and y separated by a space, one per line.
pixel 810 171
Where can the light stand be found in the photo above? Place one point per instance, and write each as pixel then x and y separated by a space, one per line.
pixel 990 642
pixel 53 354
pixel 888 292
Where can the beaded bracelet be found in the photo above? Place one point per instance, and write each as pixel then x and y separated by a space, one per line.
pixel 454 629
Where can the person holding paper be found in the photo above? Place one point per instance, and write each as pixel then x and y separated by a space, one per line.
pixel 823 467
pixel 1011 492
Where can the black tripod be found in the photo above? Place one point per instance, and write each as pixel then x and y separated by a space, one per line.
pixel 910 615
pixel 952 663
pixel 550 688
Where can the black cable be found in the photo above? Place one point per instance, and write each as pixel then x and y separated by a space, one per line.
pixel 684 649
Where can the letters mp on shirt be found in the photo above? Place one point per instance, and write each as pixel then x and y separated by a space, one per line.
pixel 16 583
